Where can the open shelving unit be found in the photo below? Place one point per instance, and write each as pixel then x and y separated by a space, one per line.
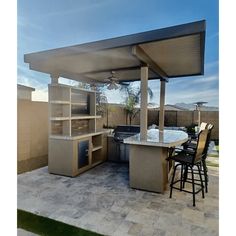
pixel 73 109
pixel 75 145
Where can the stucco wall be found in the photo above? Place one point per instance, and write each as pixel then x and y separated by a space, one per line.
pixel 24 94
pixel 32 135
pixel 32 128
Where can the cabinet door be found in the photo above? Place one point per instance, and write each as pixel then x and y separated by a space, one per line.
pixel 113 149
pixel 83 153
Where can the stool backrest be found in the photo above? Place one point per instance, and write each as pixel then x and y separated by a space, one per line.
pixel 209 128
pixel 203 126
pixel 201 144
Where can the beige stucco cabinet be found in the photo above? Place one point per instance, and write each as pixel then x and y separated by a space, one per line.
pixel 75 145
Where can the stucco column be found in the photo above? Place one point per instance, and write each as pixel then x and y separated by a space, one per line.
pixel 54 79
pixel 143 105
pixel 162 105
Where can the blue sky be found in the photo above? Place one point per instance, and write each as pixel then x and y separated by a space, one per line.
pixel 51 24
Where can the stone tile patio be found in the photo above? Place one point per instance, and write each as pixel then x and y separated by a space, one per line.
pixel 101 200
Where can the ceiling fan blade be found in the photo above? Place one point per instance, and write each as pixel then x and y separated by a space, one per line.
pixel 112 86
pixel 124 83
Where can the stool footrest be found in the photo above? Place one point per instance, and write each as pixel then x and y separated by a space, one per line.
pixel 184 190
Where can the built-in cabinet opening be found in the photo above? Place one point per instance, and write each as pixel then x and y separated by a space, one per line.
pixel 83 153
pixel 60 110
pixel 97 157
pixel 80 103
pixel 96 142
pixel 79 127
pixel 60 127
pixel 72 110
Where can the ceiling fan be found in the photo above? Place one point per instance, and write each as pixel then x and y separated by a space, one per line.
pixel 112 81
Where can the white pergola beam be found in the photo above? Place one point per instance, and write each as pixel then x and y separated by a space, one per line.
pixel 144 103
pixel 146 59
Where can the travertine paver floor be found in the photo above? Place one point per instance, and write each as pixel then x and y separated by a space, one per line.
pixel 101 200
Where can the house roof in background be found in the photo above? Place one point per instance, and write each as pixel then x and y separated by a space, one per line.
pixel 23 87
pixel 169 107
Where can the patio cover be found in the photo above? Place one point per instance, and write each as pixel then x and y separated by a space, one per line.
pixel 163 54
pixel 169 52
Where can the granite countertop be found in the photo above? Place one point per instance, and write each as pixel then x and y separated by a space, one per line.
pixel 168 138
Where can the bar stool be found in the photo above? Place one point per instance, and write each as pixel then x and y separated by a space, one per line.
pixel 191 146
pixel 192 142
pixel 188 160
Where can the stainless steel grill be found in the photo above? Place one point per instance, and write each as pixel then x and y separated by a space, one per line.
pixel 119 151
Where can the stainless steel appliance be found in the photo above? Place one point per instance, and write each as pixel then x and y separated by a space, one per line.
pixel 117 150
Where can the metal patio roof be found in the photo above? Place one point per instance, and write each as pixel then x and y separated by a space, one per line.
pixel 168 52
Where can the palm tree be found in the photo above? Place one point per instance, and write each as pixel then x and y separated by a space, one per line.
pixel 132 99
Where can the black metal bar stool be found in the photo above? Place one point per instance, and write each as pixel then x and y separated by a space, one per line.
pixel 187 160
pixel 191 146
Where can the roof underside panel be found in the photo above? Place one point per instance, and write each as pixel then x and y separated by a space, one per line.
pixel 121 75
pixel 90 62
pixel 177 50
pixel 179 56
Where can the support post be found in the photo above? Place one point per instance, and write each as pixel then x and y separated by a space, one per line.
pixel 54 79
pixel 162 106
pixel 199 118
pixel 143 106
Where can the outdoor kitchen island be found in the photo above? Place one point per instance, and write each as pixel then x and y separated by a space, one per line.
pixel 148 168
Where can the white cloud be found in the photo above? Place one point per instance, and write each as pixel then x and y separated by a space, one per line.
pixel 40 95
pixel 68 81
pixel 211 64
pixel 114 96
pixel 41 90
pixel 30 81
pixel 211 96
pixel 206 79
pixel 78 10
pixel 23 22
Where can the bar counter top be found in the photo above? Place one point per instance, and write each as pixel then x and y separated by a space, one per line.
pixel 168 138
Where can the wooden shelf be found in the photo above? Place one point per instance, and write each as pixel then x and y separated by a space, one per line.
pixel 60 102
pixel 75 103
pixel 96 148
pixel 81 117
pixel 59 118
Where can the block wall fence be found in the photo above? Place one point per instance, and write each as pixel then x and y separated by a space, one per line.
pixel 116 115
pixel 32 135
